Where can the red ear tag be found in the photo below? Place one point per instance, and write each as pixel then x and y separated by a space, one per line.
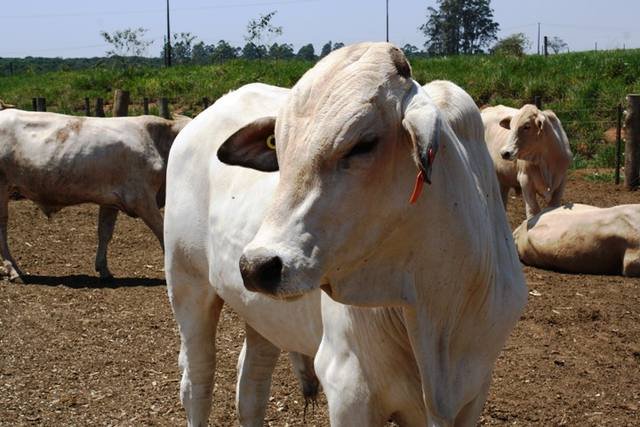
pixel 417 188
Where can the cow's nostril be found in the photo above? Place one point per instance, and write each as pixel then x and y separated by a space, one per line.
pixel 261 273
pixel 505 155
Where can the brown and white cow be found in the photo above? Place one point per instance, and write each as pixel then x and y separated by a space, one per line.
pixel 530 151
pixel 57 160
pixel 577 238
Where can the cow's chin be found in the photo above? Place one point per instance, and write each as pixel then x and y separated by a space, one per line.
pixel 291 290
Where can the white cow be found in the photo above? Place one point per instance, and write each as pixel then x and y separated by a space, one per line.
pixel 579 238
pixel 350 139
pixel 530 151
pixel 212 212
pixel 57 161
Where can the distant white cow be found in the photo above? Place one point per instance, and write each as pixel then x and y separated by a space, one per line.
pixel 57 161
pixel 578 238
pixel 350 139
pixel 213 210
pixel 530 151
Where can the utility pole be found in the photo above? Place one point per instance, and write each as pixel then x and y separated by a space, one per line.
pixel 387 21
pixel 538 38
pixel 167 51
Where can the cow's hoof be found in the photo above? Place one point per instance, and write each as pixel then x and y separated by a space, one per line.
pixel 16 279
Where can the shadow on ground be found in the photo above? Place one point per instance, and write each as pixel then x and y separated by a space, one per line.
pixel 79 281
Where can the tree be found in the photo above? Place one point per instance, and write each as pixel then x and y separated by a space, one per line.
pixel 515 44
pixel 182 50
pixel 557 45
pixel 459 26
pixel 326 49
pixel 127 42
pixel 338 45
pixel 253 51
pixel 201 53
pixel 224 52
pixel 307 52
pixel 410 50
pixel 257 29
pixel 281 51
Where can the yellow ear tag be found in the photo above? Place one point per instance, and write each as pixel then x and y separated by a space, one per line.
pixel 271 142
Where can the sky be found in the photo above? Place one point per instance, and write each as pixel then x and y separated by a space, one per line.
pixel 71 28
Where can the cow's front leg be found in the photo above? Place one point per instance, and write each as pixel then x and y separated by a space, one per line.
pixel 197 311
pixel 106 223
pixel 529 195
pixel 256 363
pixel 504 193
pixel 631 263
pixel 556 196
pixel 348 393
pixel 8 262
pixel 303 368
pixel 471 412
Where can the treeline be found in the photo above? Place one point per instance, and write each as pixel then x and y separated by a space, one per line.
pixel 183 51
pixel 37 65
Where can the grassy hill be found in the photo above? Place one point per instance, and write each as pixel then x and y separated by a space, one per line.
pixel 583 88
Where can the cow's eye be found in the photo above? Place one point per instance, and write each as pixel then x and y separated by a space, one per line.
pixel 363 147
pixel 527 126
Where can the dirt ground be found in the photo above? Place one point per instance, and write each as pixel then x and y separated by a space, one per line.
pixel 75 352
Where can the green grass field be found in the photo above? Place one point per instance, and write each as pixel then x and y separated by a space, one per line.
pixel 582 88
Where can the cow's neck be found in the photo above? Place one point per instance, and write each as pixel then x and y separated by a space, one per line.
pixel 462 301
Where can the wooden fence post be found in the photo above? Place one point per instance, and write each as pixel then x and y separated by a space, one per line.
pixel 618 142
pixel 537 100
pixel 205 102
pixel 546 46
pixel 87 107
pixel 145 105
pixel 42 104
pixel 632 144
pixel 34 104
pixel 99 107
pixel 164 108
pixel 121 103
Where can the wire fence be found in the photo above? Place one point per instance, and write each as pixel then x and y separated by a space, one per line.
pixel 591 130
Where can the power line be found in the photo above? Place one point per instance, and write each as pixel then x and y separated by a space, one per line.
pixel 178 9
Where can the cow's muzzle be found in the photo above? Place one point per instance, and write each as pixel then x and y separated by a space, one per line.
pixel 507 154
pixel 261 271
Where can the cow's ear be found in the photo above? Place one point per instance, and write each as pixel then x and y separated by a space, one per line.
pixel 422 122
pixel 506 123
pixel 253 146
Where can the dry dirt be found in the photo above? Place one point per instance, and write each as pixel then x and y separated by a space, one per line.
pixel 76 352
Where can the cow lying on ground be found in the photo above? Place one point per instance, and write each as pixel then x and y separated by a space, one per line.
pixel 349 141
pixel 57 161
pixel 530 151
pixel 213 210
pixel 578 238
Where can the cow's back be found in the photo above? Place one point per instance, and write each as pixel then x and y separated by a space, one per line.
pixel 58 160
pixel 579 238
